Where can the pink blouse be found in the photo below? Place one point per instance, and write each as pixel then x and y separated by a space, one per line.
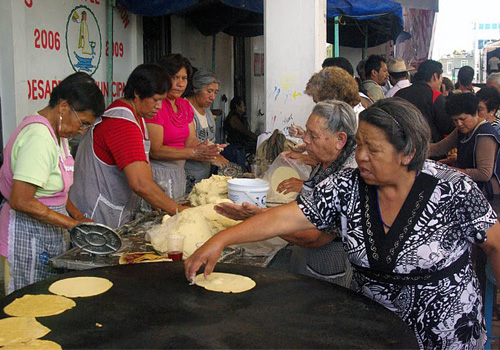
pixel 175 125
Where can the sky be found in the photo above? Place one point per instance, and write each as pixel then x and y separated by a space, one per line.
pixel 453 29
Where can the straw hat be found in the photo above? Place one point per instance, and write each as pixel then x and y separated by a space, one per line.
pixel 396 65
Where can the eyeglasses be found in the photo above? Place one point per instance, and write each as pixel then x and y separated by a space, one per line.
pixel 82 125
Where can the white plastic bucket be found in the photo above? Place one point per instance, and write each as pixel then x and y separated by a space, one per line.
pixel 248 190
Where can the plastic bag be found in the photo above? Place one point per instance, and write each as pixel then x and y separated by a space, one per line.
pixel 281 169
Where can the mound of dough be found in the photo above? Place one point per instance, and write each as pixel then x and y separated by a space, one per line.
pixel 278 176
pixel 209 191
pixel 225 282
pixel 20 330
pixel 33 345
pixel 39 305
pixel 80 286
pixel 197 224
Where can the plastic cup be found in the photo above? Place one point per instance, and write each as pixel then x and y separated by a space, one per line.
pixel 175 246
pixel 256 170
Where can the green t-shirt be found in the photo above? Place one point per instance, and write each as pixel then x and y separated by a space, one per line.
pixel 35 160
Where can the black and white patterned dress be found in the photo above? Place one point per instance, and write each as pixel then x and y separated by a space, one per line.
pixel 421 268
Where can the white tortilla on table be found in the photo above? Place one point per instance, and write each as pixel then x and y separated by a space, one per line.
pixel 80 286
pixel 225 282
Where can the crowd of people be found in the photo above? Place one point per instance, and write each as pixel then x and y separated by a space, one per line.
pixel 405 182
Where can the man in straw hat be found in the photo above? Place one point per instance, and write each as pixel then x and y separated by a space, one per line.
pixel 398 75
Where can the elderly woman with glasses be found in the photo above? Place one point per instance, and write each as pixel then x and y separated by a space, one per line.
pixel 407 224
pixel 35 179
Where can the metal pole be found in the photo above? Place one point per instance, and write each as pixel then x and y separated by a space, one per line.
pixel 365 53
pixel 111 5
pixel 336 36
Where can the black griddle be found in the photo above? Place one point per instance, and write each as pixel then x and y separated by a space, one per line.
pixel 152 306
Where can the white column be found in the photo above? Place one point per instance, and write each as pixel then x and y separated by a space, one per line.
pixel 12 70
pixel 295 47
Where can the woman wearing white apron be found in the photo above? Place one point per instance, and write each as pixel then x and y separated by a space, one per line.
pixel 205 86
pixel 35 179
pixel 172 132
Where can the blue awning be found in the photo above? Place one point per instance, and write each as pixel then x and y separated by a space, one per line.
pixel 168 7
pixel 363 9
pixel 363 22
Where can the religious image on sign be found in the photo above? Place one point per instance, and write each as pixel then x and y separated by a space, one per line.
pixel 83 40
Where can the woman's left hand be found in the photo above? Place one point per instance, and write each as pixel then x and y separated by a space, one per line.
pixel 220 161
pixel 290 185
pixel 206 152
pixel 236 211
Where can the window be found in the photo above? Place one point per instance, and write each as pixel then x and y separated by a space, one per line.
pixel 487 26
pixel 481 26
pixel 449 67
pixel 494 26
pixel 464 63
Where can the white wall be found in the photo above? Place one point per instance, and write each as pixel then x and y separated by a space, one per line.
pixel 189 42
pixel 256 97
pixel 7 72
pixel 294 50
pixel 39 47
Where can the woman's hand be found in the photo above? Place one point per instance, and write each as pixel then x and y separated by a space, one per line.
pixel 290 185
pixel 301 157
pixel 238 212
pixel 205 152
pixel 220 161
pixel 300 148
pixel 296 131
pixel 207 255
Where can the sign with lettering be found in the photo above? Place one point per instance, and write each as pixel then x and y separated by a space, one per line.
pixel 63 37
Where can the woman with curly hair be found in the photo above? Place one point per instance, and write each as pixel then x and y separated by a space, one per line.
pixel 333 83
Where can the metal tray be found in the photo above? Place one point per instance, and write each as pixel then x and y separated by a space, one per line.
pixel 95 238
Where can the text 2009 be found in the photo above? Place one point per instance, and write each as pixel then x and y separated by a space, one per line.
pixel 117 49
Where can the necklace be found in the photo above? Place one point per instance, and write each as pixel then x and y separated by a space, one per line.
pixel 378 208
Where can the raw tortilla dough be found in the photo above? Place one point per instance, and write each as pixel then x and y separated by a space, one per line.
pixel 80 286
pixel 39 305
pixel 34 345
pixel 279 175
pixel 225 282
pixel 20 329
pixel 197 224
pixel 209 191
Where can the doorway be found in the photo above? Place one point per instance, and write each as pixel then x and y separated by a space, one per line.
pixel 156 38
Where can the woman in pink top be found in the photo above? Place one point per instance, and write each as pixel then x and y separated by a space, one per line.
pixel 173 134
